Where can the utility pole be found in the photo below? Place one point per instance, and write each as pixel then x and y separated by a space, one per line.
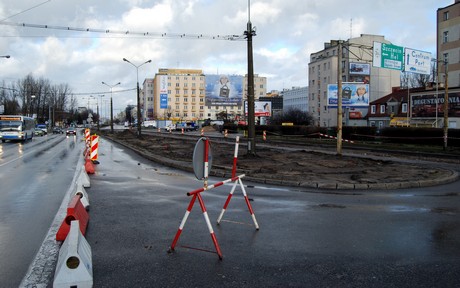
pixel 251 115
pixel 446 105
pixel 339 98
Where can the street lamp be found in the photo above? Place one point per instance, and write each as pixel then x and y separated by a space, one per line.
pixel 139 120
pixel 99 115
pixel 5 56
pixel 111 104
pixel 32 97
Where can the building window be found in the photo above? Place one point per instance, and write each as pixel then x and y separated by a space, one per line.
pixel 446 15
pixel 404 108
pixel 382 109
pixel 373 109
pixel 445 37
pixel 446 58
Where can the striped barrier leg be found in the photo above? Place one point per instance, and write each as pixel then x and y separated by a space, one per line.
pixel 249 204
pixel 226 203
pixel 182 224
pixel 235 156
pixel 208 222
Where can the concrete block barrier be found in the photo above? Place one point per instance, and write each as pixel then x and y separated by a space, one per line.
pixel 75 211
pixel 74 267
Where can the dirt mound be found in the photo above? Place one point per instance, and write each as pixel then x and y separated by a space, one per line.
pixel 290 167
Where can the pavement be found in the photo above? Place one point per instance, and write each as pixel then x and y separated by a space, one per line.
pixel 144 254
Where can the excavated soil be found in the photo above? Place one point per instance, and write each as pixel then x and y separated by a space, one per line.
pixel 282 165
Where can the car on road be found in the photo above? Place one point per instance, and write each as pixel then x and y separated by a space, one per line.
pixel 39 132
pixel 57 130
pixel 71 131
pixel 43 128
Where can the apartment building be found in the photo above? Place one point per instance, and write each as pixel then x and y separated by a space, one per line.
pixel 146 99
pixel 448 43
pixel 179 94
pixel 355 67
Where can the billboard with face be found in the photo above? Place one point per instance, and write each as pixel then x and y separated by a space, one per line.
pixel 353 95
pixel 224 90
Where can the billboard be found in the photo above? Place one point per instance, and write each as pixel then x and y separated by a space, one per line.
pixel 426 105
pixel 261 108
pixel 417 61
pixel 163 92
pixel 359 68
pixel 224 90
pixel 388 56
pixel 353 95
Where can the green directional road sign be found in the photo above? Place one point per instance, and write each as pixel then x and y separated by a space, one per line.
pixel 388 56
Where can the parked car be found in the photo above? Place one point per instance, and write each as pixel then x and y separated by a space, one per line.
pixel 57 130
pixel 71 131
pixel 38 132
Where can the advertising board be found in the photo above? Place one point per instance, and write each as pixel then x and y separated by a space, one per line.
pixel 353 95
pixel 224 90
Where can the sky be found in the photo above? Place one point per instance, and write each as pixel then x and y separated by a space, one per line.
pixel 287 32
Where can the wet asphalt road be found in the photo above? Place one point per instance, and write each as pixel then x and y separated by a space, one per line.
pixel 307 237
pixel 34 177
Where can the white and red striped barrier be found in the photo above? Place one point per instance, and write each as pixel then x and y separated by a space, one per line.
pixel 251 211
pixel 333 137
pixel 87 136
pixel 264 135
pixel 196 194
pixel 94 147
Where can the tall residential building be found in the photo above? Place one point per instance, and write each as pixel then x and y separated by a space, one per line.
pixel 179 94
pixel 448 43
pixel 356 67
pixel 147 99
pixel 297 97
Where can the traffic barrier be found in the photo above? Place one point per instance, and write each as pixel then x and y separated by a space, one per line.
pixel 75 211
pixel 83 178
pixel 229 197
pixel 94 147
pixel 74 267
pixel 225 133
pixel 80 190
pixel 251 211
pixel 89 166
pixel 87 136
pixel 182 130
pixel 265 135
pixel 202 131
pixel 333 137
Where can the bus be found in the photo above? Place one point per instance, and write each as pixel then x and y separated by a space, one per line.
pixel 16 127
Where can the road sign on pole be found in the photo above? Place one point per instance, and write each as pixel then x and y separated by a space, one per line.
pixel 417 61
pixel 388 56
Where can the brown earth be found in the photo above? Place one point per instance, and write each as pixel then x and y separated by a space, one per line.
pixel 299 167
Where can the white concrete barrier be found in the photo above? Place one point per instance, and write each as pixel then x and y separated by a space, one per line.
pixel 74 267
pixel 83 178
pixel 81 191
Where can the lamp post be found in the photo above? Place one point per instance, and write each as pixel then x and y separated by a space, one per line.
pixel 32 98
pixel 111 103
pixel 5 56
pixel 139 117
pixel 99 115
